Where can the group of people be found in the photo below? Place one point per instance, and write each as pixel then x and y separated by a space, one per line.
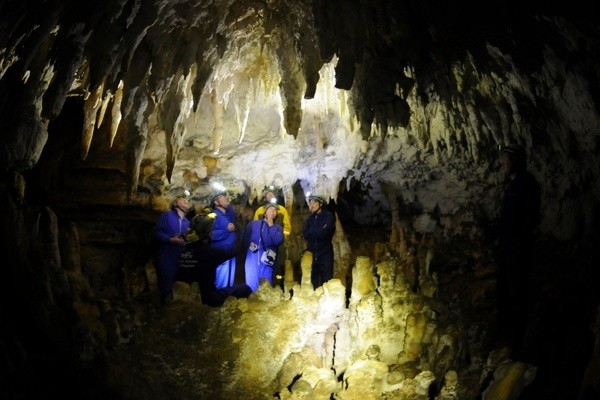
pixel 206 248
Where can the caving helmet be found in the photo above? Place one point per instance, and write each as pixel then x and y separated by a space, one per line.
pixel 319 198
pixel 185 194
pixel 271 205
pixel 216 196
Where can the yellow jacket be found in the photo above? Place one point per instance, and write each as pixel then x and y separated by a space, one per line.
pixel 281 212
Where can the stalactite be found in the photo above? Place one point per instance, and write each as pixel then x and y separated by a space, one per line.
pixel 334 187
pixel 91 107
pixel 291 86
pixel 218 113
pixel 116 113
pixel 242 108
pixel 103 107
pixel 137 133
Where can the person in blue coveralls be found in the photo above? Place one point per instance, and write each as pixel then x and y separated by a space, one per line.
pixel 170 230
pixel 318 231
pixel 224 237
pixel 269 196
pixel 262 239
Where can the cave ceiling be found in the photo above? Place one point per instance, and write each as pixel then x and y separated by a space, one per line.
pixel 388 99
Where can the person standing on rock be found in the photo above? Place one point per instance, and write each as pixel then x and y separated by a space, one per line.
pixel 318 231
pixel 283 218
pixel 170 230
pixel 262 239
pixel 224 237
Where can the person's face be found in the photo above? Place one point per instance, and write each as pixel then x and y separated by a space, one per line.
pixel 314 206
pixel 222 201
pixel 182 203
pixel 271 213
pixel 269 196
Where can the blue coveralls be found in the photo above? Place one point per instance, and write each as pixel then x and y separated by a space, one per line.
pixel 266 237
pixel 168 225
pixel 198 264
pixel 318 231
pixel 223 239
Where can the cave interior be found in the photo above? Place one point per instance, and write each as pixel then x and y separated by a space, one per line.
pixel 392 110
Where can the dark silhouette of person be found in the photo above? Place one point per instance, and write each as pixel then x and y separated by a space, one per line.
pixel 318 231
pixel 519 217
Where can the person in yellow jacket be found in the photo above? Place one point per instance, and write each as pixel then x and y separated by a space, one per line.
pixel 269 197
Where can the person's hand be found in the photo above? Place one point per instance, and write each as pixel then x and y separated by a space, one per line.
pixel 230 227
pixel 178 239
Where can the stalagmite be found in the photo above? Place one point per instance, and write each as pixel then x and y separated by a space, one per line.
pixel 306 266
pixel 362 279
pixel 288 281
pixel 342 251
